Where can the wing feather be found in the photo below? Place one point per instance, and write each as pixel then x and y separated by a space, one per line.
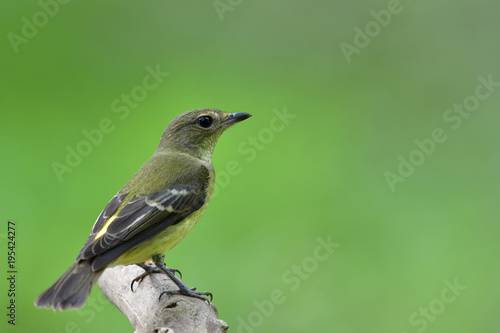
pixel 137 218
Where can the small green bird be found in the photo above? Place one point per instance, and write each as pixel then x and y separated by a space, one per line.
pixel 155 209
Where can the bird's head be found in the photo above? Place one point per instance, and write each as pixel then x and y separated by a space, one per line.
pixel 196 132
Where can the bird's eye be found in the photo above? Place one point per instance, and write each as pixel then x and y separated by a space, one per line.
pixel 205 121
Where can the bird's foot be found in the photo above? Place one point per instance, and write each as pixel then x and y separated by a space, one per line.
pixel 183 289
pixel 189 292
pixel 150 269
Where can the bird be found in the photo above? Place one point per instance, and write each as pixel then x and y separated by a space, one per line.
pixel 152 212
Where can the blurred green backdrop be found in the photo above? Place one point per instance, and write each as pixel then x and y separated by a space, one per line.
pixel 364 86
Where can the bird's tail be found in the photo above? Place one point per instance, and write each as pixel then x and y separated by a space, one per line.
pixel 71 290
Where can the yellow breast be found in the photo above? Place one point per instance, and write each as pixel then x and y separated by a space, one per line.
pixel 166 239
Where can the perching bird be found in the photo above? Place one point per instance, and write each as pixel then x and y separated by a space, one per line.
pixel 155 209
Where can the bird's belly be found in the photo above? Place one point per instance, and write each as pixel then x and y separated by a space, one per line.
pixel 162 242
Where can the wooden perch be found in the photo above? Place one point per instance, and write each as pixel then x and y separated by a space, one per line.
pixel 147 314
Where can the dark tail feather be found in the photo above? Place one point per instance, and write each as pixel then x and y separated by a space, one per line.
pixel 71 290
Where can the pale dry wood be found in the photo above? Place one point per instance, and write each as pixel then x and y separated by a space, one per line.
pixel 147 314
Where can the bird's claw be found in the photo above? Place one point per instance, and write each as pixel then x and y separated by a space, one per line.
pixel 191 293
pixel 149 269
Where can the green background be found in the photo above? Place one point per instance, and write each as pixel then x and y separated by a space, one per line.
pixel 320 174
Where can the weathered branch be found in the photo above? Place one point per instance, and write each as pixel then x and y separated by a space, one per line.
pixel 147 314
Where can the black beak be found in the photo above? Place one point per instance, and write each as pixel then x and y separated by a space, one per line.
pixel 236 118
